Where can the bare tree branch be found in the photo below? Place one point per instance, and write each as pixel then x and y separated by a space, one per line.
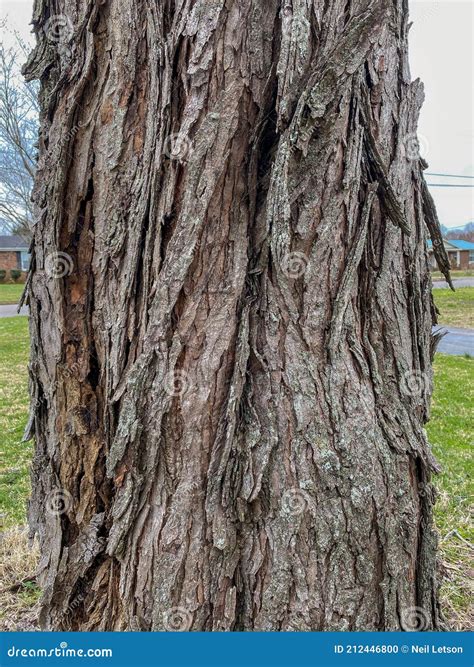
pixel 19 110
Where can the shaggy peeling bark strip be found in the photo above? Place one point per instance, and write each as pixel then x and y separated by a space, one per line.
pixel 230 318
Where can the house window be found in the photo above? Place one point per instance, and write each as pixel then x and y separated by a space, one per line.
pixel 453 259
pixel 471 256
pixel 24 261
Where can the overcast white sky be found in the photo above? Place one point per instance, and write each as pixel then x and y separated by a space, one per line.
pixel 441 55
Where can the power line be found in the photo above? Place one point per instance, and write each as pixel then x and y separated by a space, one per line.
pixel 448 185
pixel 430 173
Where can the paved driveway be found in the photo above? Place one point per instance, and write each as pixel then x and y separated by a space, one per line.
pixel 456 341
pixel 458 282
pixel 11 311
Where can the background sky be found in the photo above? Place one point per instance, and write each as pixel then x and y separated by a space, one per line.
pixel 441 55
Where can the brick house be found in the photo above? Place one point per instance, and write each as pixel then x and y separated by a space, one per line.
pixel 14 253
pixel 460 254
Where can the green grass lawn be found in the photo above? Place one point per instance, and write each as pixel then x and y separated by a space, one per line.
pixel 14 455
pixel 449 431
pixel 456 308
pixel 10 294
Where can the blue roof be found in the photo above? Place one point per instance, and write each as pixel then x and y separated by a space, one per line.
pixel 461 244
pixel 446 243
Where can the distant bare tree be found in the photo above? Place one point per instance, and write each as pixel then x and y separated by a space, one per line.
pixel 19 110
pixel 465 233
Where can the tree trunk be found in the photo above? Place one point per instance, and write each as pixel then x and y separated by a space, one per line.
pixel 231 318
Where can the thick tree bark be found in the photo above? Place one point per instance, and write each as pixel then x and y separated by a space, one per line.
pixel 231 318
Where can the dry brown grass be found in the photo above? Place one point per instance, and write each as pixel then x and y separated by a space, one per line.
pixel 19 593
pixel 457 582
